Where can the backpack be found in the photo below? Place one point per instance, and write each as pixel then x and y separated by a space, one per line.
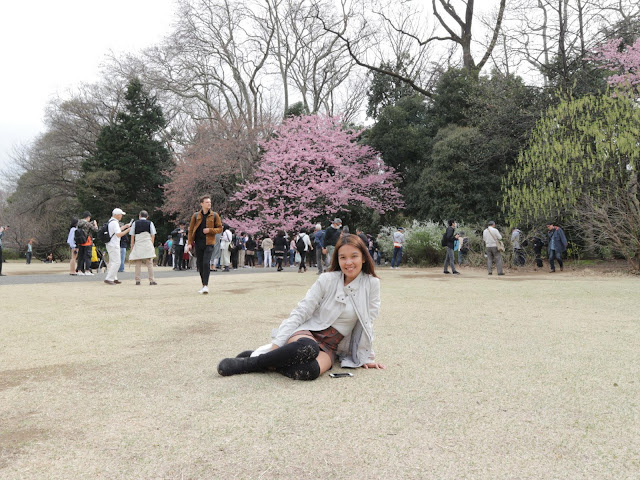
pixel 300 244
pixel 80 237
pixel 103 233
pixel 444 242
pixel 464 248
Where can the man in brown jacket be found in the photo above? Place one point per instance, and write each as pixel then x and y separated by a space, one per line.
pixel 204 226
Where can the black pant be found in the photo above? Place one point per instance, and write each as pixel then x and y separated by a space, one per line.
pixel 1 260
pixel 303 255
pixel 84 258
pixel 203 257
pixel 177 264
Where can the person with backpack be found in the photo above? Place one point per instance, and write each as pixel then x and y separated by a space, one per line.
pixel 113 245
pixel 203 227
pixel 303 245
pixel 493 241
pixel 448 240
pixel 143 234
pixel 82 238
pixel 398 242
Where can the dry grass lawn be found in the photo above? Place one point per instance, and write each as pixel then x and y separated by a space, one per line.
pixel 528 376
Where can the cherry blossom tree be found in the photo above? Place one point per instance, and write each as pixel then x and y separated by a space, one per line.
pixel 220 156
pixel 313 168
pixel 624 61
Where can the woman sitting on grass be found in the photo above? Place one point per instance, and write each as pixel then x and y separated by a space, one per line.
pixel 335 319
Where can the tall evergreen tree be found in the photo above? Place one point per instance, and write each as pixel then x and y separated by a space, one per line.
pixel 130 163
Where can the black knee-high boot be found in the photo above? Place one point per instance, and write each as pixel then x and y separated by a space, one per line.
pixel 301 351
pixel 303 371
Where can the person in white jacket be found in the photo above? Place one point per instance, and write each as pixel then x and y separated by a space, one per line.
pixel 333 321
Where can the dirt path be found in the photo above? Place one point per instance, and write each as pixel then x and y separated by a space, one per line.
pixel 527 376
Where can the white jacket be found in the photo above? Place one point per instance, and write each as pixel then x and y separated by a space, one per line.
pixel 324 303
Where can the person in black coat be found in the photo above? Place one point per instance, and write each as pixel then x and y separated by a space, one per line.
pixel 280 246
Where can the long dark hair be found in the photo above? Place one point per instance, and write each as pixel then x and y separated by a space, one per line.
pixel 354 241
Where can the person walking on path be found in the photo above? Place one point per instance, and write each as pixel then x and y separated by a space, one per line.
pixel 73 249
pixel 557 246
pixel 29 253
pixel 334 321
pixel 304 247
pixel 491 236
pixel 203 227
pixel 113 245
pixel 280 247
pixel 449 240
pixel 267 245
pixel 398 242
pixel 143 234
pixel 318 239
pixel 85 248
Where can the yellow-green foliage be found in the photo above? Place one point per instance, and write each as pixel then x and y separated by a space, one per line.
pixel 586 146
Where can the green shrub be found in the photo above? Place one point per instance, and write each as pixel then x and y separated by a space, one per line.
pixel 10 254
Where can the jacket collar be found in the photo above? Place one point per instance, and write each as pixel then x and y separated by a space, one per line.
pixel 343 291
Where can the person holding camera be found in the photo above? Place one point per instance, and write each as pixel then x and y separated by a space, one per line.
pixel 333 321
pixel 179 236
pixel 2 230
pixel 448 240
pixel 113 245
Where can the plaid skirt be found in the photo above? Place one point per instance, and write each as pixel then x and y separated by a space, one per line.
pixel 328 340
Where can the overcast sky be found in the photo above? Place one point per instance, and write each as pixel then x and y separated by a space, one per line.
pixel 48 47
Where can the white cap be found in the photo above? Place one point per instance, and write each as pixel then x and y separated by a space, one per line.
pixel 117 211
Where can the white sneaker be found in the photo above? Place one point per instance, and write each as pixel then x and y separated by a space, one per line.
pixel 88 273
pixel 80 273
pixel 204 290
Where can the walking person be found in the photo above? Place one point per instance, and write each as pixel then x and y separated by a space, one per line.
pixel 84 243
pixel 333 322
pixel 73 249
pixel 318 242
pixel 29 253
pixel 113 245
pixel 303 245
pixel 267 245
pixel 203 227
pixel 398 243
pixel 448 240
pixel 557 245
pixel 143 234
pixel 280 246
pixel 491 237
